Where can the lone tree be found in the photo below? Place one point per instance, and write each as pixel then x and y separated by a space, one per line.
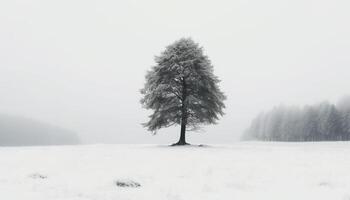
pixel 182 89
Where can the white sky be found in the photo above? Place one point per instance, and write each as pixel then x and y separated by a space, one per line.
pixel 80 64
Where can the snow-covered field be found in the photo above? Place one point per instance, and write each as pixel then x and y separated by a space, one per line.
pixel 242 171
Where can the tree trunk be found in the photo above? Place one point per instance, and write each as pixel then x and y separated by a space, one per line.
pixel 182 140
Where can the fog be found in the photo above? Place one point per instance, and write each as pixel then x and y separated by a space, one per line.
pixel 80 64
pixel 20 131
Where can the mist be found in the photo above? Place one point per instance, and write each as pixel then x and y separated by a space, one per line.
pixel 80 65
pixel 20 131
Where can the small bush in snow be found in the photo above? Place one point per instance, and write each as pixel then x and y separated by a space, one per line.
pixel 37 176
pixel 127 183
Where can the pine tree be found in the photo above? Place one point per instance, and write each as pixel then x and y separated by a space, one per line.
pixel 344 107
pixel 181 89
pixel 346 124
pixel 309 124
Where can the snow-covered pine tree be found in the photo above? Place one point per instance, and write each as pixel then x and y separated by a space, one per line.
pixel 310 124
pixel 344 107
pixel 181 89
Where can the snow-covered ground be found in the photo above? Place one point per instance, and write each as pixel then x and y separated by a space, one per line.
pixel 242 171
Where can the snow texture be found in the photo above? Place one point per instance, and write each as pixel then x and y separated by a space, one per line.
pixel 242 171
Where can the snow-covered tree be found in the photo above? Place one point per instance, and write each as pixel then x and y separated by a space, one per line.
pixel 309 124
pixel 344 106
pixel 329 122
pixel 181 89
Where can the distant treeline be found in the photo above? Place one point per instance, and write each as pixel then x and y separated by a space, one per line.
pixel 322 122
pixel 19 131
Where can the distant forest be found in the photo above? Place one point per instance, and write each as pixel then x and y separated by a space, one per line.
pixel 20 131
pixel 322 122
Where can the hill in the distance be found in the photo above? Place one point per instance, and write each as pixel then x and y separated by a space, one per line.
pixel 20 131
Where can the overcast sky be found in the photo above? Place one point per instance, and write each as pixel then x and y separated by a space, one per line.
pixel 80 64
